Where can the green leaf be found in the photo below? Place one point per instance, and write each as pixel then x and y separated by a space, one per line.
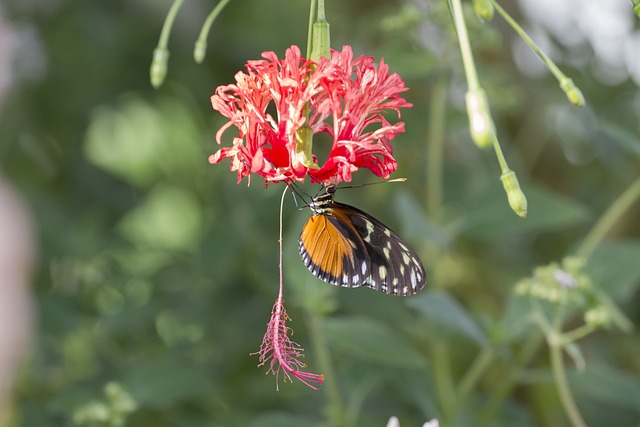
pixel 442 310
pixel 166 382
pixel 492 219
pixel 372 341
pixel 608 385
pixel 415 221
pixel 169 218
pixel 140 142
pixel 614 268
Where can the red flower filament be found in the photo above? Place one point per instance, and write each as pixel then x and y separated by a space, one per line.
pixel 281 353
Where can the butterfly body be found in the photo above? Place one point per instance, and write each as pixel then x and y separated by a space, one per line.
pixel 345 246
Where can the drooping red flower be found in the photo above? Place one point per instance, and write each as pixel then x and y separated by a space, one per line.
pixel 282 354
pixel 341 97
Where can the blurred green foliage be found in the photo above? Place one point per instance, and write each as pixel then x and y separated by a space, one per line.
pixel 157 273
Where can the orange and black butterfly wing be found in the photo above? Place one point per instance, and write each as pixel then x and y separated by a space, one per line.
pixel 333 251
pixel 395 268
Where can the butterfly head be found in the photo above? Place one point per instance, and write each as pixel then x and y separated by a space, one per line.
pixel 323 201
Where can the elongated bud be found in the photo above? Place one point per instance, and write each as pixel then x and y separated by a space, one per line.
pixel 320 40
pixel 573 93
pixel 484 9
pixel 481 125
pixel 304 146
pixel 158 70
pixel 199 51
pixel 636 7
pixel 517 199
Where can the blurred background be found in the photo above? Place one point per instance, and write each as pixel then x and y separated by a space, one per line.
pixel 138 279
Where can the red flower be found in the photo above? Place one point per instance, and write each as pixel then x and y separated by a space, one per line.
pixel 342 97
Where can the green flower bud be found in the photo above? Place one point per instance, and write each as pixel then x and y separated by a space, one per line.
pixel 573 93
pixel 158 69
pixel 304 146
pixel 597 317
pixel 199 51
pixel 484 9
pixel 516 197
pixel 636 6
pixel 481 124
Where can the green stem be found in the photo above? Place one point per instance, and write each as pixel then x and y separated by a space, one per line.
pixel 576 334
pixel 168 23
pixel 312 18
pixel 559 375
pixel 337 410
pixel 608 219
pixel 435 144
pixel 465 47
pixel 444 381
pixel 201 43
pixel 508 380
pixel 518 29
pixel 475 371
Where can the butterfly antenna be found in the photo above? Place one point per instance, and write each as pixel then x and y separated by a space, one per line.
pixel 297 190
pixel 375 183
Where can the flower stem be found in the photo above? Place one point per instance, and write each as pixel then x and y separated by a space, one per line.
pixel 465 47
pixel 337 410
pixel 201 43
pixel 435 143
pixel 560 378
pixel 608 219
pixel 510 377
pixel 573 93
pixel 312 18
pixel 475 371
pixel 168 23
pixel 444 381
pixel 577 333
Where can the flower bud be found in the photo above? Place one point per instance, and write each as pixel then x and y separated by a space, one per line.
pixel 199 51
pixel 636 7
pixel 158 69
pixel 484 9
pixel 481 124
pixel 573 93
pixel 304 146
pixel 517 199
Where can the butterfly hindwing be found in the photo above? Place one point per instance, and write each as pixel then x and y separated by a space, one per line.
pixel 395 268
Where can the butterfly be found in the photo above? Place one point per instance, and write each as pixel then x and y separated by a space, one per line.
pixel 345 246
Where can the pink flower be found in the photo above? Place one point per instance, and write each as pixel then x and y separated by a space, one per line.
pixel 341 97
pixel 282 354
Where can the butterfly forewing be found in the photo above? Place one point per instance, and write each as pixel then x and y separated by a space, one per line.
pixel 345 246
pixel 333 251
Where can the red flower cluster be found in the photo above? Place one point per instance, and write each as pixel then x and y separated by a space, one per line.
pixel 341 97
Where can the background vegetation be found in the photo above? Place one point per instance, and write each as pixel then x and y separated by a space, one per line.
pixel 157 273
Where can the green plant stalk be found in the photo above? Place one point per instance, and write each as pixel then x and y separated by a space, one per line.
pixel 475 371
pixel 168 23
pixel 508 380
pixel 608 219
pixel 201 43
pixel 576 334
pixel 560 378
pixel 444 381
pixel 312 18
pixel 337 409
pixel 435 145
pixel 518 29
pixel 465 47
